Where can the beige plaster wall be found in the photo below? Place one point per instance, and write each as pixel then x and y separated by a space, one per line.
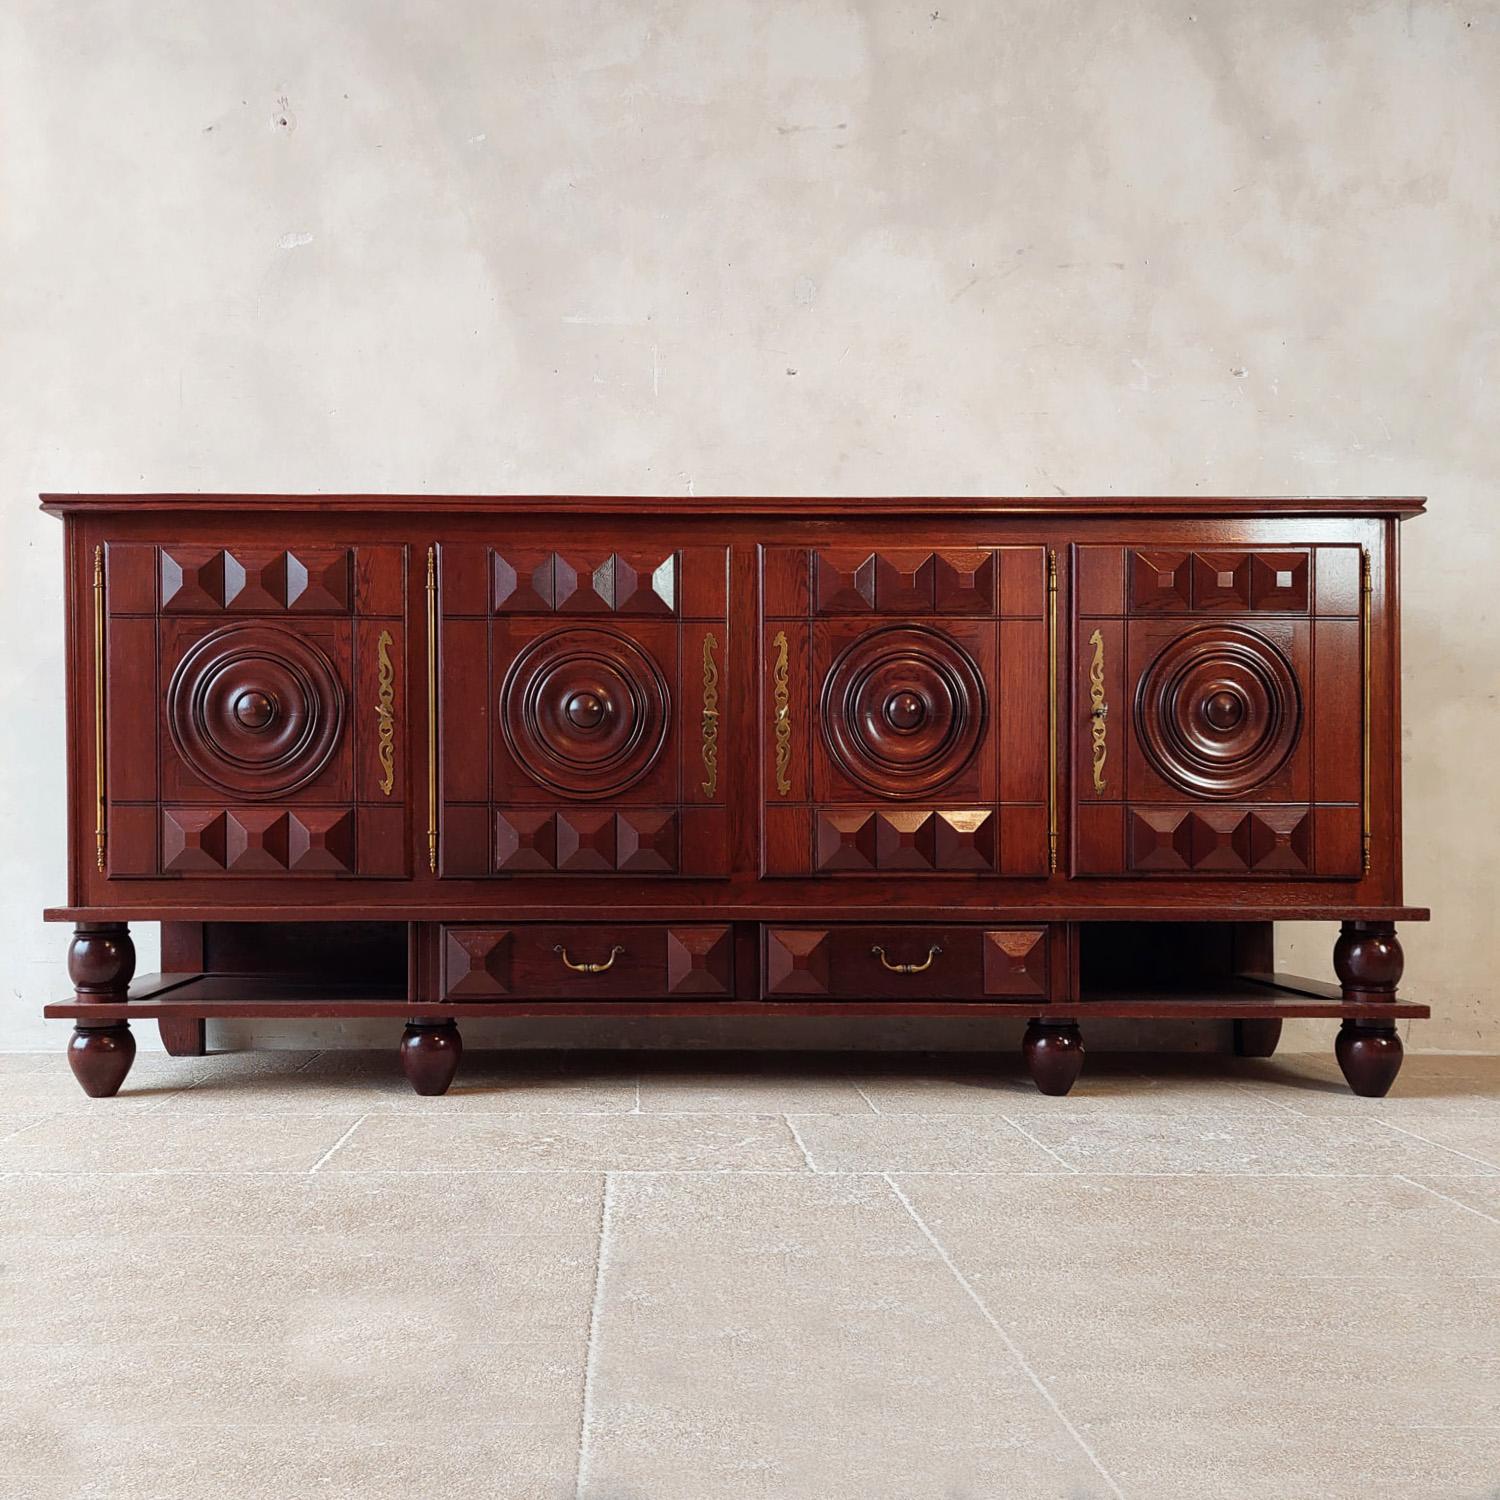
pixel 733 246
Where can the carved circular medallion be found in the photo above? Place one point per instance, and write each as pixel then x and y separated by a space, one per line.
pixel 903 710
pixel 585 711
pixel 1218 712
pixel 255 710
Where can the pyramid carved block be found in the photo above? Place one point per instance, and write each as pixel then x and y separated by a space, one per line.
pixel 1015 961
pixel 1160 581
pixel 844 582
pixel 965 840
pixel 846 841
pixel 525 841
pixel 320 841
pixel 192 839
pixel 1160 839
pixel 585 840
pixel 905 840
pixel 476 963
pixel 646 842
pixel 797 961
pixel 1221 580
pixel 964 581
pixel 904 582
pixel 700 961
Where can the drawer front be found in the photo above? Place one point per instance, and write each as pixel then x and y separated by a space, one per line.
pixel 905 963
pixel 587 961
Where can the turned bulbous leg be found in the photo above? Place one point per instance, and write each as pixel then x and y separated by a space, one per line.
pixel 1368 960
pixel 101 964
pixel 1370 1056
pixel 1054 1053
pixel 430 1054
pixel 1256 1036
pixel 100 1056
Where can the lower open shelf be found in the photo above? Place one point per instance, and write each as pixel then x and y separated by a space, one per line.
pixel 255 996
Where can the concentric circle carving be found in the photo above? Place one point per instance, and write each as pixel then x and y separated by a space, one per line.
pixel 585 711
pixel 903 710
pixel 255 710
pixel 1218 711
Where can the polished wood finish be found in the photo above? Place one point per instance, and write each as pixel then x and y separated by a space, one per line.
pixel 1054 1053
pixel 100 1056
pixel 1370 1057
pixel 585 755
pixel 430 1055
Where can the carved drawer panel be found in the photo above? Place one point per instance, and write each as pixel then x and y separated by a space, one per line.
pixel 580 696
pixel 586 961
pixel 906 963
pixel 255 710
pixel 905 710
pixel 1217 727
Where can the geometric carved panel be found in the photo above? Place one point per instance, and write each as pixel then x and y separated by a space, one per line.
pixel 901 581
pixel 586 841
pixel 257 841
pixel 1160 581
pixel 1220 840
pixel 861 840
pixel 623 583
pixel 311 580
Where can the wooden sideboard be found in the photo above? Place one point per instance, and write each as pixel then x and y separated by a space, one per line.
pixel 437 757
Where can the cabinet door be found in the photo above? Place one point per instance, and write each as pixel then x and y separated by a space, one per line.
pixel 1218 725
pixel 579 701
pixel 254 710
pixel 904 699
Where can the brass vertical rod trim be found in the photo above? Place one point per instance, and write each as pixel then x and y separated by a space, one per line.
pixel 1052 716
pixel 782 699
pixel 99 835
pixel 1366 590
pixel 432 695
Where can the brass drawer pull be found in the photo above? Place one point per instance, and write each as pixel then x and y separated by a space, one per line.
pixel 926 963
pixel 608 963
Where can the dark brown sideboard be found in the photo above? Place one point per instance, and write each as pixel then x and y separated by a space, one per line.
pixel 437 757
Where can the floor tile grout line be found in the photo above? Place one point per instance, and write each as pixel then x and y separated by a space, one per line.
pixel 31 1125
pixel 858 1089
pixel 335 1146
pixel 1071 1166
pixel 637 1108
pixel 591 1355
pixel 1452 1150
pixel 801 1145
pixel 1468 1208
pixel 305 1066
pixel 1005 1338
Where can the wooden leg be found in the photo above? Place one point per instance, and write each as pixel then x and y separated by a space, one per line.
pixel 430 1053
pixel 1054 1053
pixel 1256 1036
pixel 184 1036
pixel 1370 1055
pixel 101 964
pixel 100 1056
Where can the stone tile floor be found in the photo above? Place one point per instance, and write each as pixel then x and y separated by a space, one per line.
pixel 626 1278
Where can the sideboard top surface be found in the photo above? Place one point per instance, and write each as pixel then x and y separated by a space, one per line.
pixel 1400 506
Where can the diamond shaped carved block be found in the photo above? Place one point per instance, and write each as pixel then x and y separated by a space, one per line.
pixel 964 840
pixel 1160 581
pixel 1015 961
pixel 797 961
pixel 646 842
pixel 1221 580
pixel 311 580
pixel 525 840
pixel 700 961
pixel 1160 839
pixel 905 840
pixel 585 840
pixel 846 841
pixel 844 582
pixel 476 963
pixel 1278 580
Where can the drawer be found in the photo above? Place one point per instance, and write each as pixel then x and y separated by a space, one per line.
pixel 905 963
pixel 587 961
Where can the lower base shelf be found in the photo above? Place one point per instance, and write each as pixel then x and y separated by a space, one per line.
pixel 258 996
